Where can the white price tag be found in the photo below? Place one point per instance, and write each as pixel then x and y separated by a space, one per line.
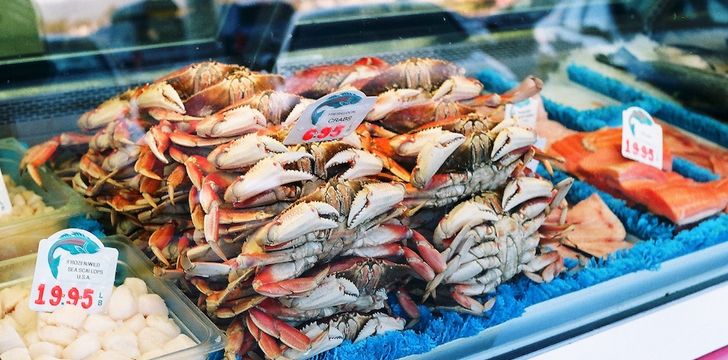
pixel 641 137
pixel 525 112
pixel 5 205
pixel 73 267
pixel 540 144
pixel 331 117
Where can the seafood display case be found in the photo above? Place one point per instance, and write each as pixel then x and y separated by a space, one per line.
pixel 387 179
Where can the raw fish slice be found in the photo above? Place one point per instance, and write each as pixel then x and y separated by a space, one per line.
pixel 609 137
pixel 609 168
pixel 683 202
pixel 571 150
pixel 597 231
pixel 689 147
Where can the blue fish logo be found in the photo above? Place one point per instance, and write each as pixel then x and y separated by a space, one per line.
pixel 334 102
pixel 638 117
pixel 75 243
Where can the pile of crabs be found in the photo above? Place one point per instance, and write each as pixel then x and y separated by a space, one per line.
pixel 296 248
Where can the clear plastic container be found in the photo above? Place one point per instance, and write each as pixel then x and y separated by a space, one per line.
pixel 20 236
pixel 132 262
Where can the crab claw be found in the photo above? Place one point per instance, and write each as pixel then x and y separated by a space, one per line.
pixel 157 138
pixel 433 155
pixel 430 263
pixel 104 114
pixel 212 230
pixel 281 279
pixel 362 163
pixel 530 86
pixel 288 335
pixel 460 220
pixel 36 156
pixel 562 188
pixel 300 220
pixel 379 324
pixel 510 139
pixel 373 200
pixel 396 99
pixel 197 168
pixel 332 291
pixel 234 121
pixel 39 154
pixel 244 152
pixel 159 95
pixel 471 305
pixel 458 88
pixel 523 189
pixel 267 343
pixel 160 239
pixel 266 175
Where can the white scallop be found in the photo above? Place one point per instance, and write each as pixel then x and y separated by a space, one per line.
pixel 163 324
pixel 122 304
pixel 9 338
pixel 180 342
pixel 152 304
pixel 84 346
pixel 44 348
pixel 123 341
pixel 16 354
pixel 69 316
pixel 99 323
pixel 136 285
pixel 151 338
pixel 135 323
pixel 60 335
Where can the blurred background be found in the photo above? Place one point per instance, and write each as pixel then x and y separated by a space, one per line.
pixel 59 58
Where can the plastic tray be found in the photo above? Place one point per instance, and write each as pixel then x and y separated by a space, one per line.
pixel 132 262
pixel 20 236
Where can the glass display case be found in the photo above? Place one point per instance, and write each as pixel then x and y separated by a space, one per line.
pixel 190 127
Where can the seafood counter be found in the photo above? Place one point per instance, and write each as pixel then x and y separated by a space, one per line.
pixel 294 249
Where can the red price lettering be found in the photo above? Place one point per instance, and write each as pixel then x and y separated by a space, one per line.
pixel 324 133
pixel 337 130
pixel 642 151
pixel 74 295
pixel 308 135
pixel 40 300
pixel 56 295
pixel 88 298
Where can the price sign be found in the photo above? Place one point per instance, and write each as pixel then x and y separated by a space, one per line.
pixel 541 145
pixel 331 117
pixel 525 112
pixel 5 205
pixel 73 267
pixel 641 137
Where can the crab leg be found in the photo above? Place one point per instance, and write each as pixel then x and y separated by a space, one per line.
pixel 267 174
pixel 288 335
